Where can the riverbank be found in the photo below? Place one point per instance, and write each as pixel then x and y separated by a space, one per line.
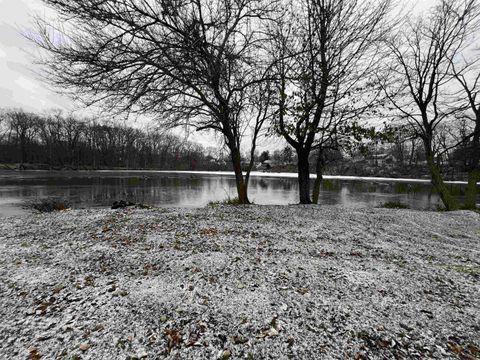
pixel 253 174
pixel 258 282
pixel 461 179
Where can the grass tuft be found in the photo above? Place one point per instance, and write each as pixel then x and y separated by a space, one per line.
pixel 227 201
pixel 46 205
pixel 471 208
pixel 465 269
pixel 395 205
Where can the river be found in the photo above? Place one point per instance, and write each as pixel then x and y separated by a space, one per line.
pixel 85 189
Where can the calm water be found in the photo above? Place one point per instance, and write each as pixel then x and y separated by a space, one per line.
pixel 100 189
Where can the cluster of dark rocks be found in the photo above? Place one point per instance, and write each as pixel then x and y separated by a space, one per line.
pixel 122 204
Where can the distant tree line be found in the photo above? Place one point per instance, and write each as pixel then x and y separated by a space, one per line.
pixel 59 141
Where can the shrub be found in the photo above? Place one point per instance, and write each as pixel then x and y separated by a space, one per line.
pixel 395 205
pixel 47 205
pixel 227 201
pixel 472 208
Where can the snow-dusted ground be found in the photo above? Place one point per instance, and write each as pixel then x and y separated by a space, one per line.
pixel 260 282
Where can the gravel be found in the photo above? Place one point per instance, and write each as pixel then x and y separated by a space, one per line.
pixel 257 282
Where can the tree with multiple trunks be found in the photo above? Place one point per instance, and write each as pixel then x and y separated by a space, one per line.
pixel 326 53
pixel 193 63
pixel 465 70
pixel 419 76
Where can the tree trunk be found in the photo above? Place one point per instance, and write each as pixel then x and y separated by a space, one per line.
pixel 318 181
pixel 474 171
pixel 412 153
pixel 471 192
pixel 448 200
pixel 304 177
pixel 23 151
pixel 239 178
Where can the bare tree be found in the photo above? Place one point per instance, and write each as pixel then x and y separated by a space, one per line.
pixel 326 54
pixel 421 51
pixel 73 131
pixel 3 122
pixel 24 128
pixel 196 63
pixel 466 71
pixel 51 133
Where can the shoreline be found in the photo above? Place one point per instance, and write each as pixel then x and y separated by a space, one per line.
pixel 284 175
pixel 237 282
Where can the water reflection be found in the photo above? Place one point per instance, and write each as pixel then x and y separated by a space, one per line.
pixel 92 189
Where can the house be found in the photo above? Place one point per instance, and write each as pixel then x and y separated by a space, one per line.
pixel 382 159
pixel 265 165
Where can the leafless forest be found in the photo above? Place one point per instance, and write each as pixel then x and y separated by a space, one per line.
pixel 63 142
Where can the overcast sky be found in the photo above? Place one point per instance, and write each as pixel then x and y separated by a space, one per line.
pixel 19 84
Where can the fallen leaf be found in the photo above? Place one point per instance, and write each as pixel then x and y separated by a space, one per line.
pixel 225 355
pixel 455 348
pixel 174 338
pixel 34 354
pixel 238 339
pixel 271 332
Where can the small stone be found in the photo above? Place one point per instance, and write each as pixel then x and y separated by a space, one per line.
pixel 84 346
pixel 142 354
pixel 272 332
pixel 406 327
pixel 67 328
pixel 119 292
pixel 44 337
